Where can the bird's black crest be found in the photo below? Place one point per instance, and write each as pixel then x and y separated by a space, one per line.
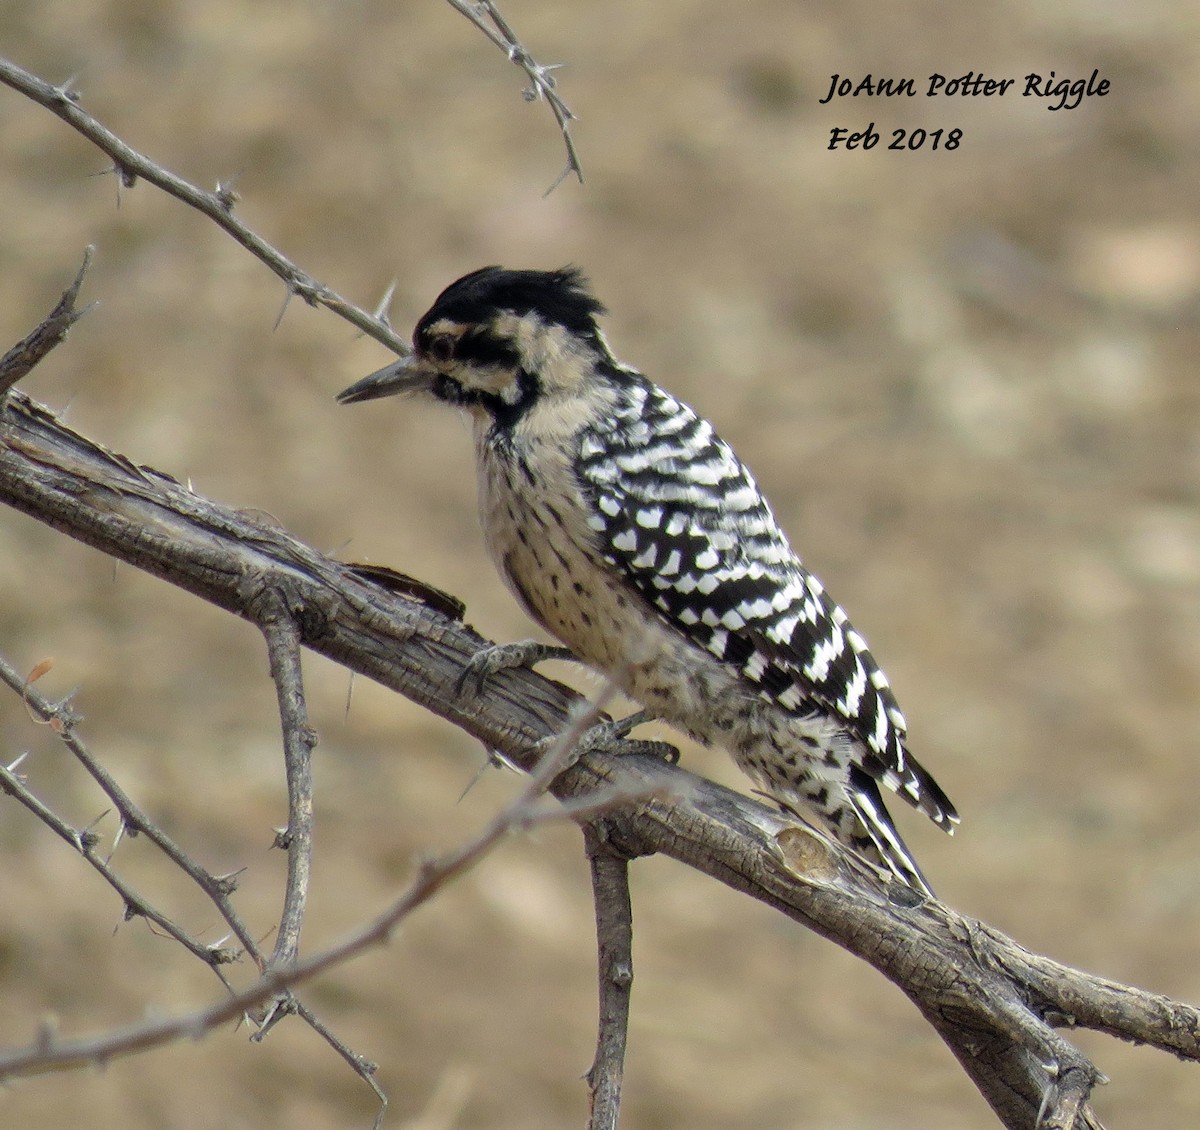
pixel 560 297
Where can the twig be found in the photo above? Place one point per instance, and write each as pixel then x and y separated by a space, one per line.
pixel 217 205
pixel 542 84
pixel 362 1066
pixel 130 165
pixel 282 634
pixel 274 613
pixel 84 841
pixel 23 356
pixel 614 950
pixel 134 821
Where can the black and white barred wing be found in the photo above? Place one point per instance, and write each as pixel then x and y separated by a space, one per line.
pixel 682 518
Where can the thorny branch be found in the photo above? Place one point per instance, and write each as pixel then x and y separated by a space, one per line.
pixel 133 821
pixel 542 84
pixel 217 204
pixel 994 1003
pixel 19 360
pixel 86 841
pixel 48 1052
pixel 277 615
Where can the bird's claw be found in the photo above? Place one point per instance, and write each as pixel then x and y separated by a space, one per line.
pixel 611 737
pixel 501 657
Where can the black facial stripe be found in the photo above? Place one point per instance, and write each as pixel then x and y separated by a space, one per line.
pixel 452 392
pixel 506 415
pixel 479 347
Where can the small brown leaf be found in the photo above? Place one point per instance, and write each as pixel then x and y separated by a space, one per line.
pixel 38 671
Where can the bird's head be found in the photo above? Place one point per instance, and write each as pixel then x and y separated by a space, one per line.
pixel 497 342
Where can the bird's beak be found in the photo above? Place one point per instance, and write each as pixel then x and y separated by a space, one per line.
pixel 405 375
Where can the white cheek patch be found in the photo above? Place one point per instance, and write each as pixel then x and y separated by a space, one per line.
pixel 510 391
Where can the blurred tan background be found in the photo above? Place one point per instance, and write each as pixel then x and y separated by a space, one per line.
pixel 966 379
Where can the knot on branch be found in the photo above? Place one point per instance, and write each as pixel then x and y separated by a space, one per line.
pixel 87 840
pixel 222 955
pixel 807 855
pixel 273 599
pixel 225 885
pixel 134 908
pixel 614 838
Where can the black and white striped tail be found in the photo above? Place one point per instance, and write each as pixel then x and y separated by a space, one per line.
pixel 863 791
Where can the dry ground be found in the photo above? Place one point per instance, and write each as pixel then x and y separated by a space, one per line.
pixel 967 380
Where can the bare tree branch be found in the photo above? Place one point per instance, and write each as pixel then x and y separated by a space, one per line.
pixel 23 356
pixel 364 1068
pixel 614 951
pixel 63 719
pixel 276 618
pixel 994 1003
pixel 130 165
pixel 542 84
pixel 217 205
pixel 85 841
pixel 275 615
pixel 133 821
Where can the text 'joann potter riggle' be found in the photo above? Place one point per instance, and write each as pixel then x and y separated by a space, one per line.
pixel 1068 93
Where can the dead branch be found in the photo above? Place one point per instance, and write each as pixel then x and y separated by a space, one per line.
pixel 282 633
pixel 614 967
pixel 994 1003
pixel 276 618
pixel 132 821
pixel 23 356
pixel 217 204
pixel 542 84
pixel 552 758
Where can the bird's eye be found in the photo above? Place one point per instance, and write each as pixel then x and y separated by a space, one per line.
pixel 441 348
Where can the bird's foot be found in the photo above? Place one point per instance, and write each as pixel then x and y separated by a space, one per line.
pixel 501 657
pixel 612 737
